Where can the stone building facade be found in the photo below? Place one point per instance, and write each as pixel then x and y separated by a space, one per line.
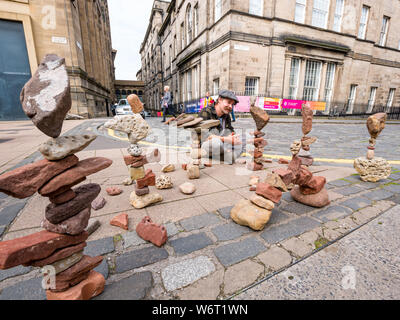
pixel 124 88
pixel 344 52
pixel 78 30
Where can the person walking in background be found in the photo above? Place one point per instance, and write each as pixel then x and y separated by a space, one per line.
pixel 233 114
pixel 208 101
pixel 167 104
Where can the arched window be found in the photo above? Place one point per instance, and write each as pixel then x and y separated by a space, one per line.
pixel 129 92
pixel 189 24
pixel 134 92
pixel 140 93
pixel 117 92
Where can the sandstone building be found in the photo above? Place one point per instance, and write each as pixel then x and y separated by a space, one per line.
pixel 344 52
pixel 78 30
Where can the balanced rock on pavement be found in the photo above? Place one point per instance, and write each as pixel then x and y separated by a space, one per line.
pixel 46 97
pixel 61 147
pixel 72 226
pixel 372 170
pixel 376 123
pixel 308 115
pixel 318 200
pixel 134 126
pixel 135 103
pixel 247 214
pixel 260 117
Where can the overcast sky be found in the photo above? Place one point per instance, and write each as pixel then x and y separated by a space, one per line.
pixel 129 20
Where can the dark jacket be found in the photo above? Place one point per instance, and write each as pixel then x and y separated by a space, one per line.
pixel 209 113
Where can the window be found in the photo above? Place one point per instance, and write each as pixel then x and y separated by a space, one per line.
pixel 196 82
pixel 320 13
pixel 371 101
pixel 337 21
pixel 251 87
pixel 330 78
pixel 170 56
pixel 294 78
pixel 196 20
pixel 363 22
pixel 300 11
pixel 189 85
pixel 175 47
pixel 390 99
pixel 256 7
pixel 312 80
pixel 189 24
pixel 217 10
pixel 215 87
pixel 384 30
pixel 182 36
pixel 352 98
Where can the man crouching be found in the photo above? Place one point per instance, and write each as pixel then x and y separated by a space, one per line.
pixel 220 142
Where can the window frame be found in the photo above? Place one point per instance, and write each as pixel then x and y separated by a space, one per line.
pixel 390 99
pixel 216 87
pixel 317 80
pixel 189 24
pixel 294 75
pixel 217 10
pixel 337 26
pixel 255 88
pixel 372 99
pixel 365 24
pixel 299 3
pixel 352 98
pixel 316 11
pixel 261 8
pixel 384 31
pixel 329 84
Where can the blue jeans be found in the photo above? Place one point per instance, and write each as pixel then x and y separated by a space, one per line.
pixel 233 115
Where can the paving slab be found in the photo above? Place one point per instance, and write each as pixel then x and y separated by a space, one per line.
pixel 232 253
pixel 356 203
pixel 225 212
pixel 277 216
pixel 99 247
pixel 297 208
pixel 340 183
pixel 131 239
pixel 346 191
pixel 394 187
pixel 139 258
pixel 194 242
pixel 13 272
pixel 8 213
pixel 275 258
pixel 199 222
pixel 332 213
pixel 134 287
pixel 293 228
pixel 378 194
pixel 186 272
pixel 103 269
pixel 24 290
pixel 230 231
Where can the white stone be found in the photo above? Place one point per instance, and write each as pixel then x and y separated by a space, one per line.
pixel 164 182
pixel 187 188
pixel 140 202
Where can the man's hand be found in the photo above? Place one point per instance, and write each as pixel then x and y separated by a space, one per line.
pixel 233 139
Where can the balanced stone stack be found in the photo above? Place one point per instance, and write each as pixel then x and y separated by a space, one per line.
pixel 305 143
pixel 371 168
pixel 137 129
pixel 261 118
pixel 46 100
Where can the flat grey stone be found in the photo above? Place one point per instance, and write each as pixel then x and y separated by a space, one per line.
pixel 329 186
pixel 172 230
pixel 99 247
pixel 293 228
pixel 25 290
pixel 235 252
pixel 395 188
pixel 8 214
pixel 3 196
pixel 135 287
pixel 186 272
pixel 356 203
pixel 103 269
pixel 131 239
pixel 377 195
pixel 277 217
pixel 229 231
pixel 297 208
pixel 332 213
pixel 395 199
pixel 139 258
pixel 368 185
pixel 353 179
pixel 191 243
pixel 395 176
pixel 225 212
pixel 349 190
pixel 16 271
pixel 339 183
pixel 199 222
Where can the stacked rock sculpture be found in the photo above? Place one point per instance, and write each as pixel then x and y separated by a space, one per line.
pixel 137 129
pixel 261 118
pixel 305 143
pixel 58 250
pixel 371 168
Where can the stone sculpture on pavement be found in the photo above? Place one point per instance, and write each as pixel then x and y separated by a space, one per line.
pixel 59 248
pixel 371 168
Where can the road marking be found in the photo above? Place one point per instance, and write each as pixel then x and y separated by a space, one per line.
pixel 348 161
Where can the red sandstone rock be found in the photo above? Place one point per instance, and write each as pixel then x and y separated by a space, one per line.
pixel 84 265
pixel 85 290
pixel 63 189
pixel 304 177
pixel 148 180
pixel 253 166
pixel 253 188
pixel 306 161
pixel 82 169
pixel 131 160
pixel 286 175
pixel 135 103
pixel 23 182
pixel 142 191
pixel 84 197
pixel 121 221
pixel 283 161
pixel 63 197
pixel 295 166
pixel 73 226
pixel 113 191
pixel 307 114
pixel 57 255
pixel 36 246
pixel 208 165
pixel 152 232
pixel 313 186
pixel 269 192
pixel 260 116
pixel 318 200
pixel 261 144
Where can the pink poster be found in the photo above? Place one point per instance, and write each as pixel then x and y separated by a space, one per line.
pixel 243 105
pixel 292 104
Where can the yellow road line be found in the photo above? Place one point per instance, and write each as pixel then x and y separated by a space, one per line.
pixel 350 161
